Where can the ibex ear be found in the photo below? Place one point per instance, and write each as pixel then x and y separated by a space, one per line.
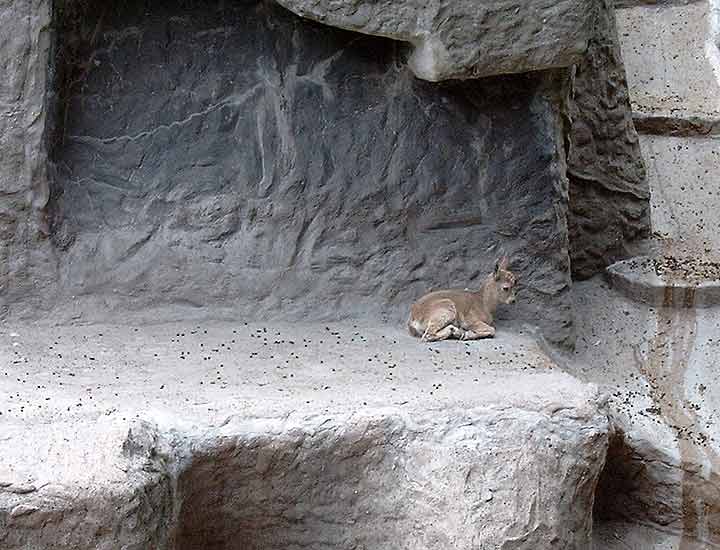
pixel 496 273
pixel 504 263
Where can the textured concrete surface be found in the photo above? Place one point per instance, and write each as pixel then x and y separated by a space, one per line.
pixel 670 58
pixel 467 39
pixel 346 436
pixel 685 200
pixel 103 446
pixel 659 366
pixel 252 164
pixel 661 362
pixel 609 194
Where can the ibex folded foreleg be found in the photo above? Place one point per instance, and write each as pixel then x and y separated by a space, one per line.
pixel 478 330
pixel 450 331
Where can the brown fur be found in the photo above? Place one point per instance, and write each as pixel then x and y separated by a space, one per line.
pixel 463 314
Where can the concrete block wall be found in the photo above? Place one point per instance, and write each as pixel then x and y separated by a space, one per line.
pixel 670 51
pixel 663 468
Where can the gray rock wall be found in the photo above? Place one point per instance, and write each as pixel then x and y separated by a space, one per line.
pixel 235 158
pixel 609 194
pixel 161 199
pixel 25 259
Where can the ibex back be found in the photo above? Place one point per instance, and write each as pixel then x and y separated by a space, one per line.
pixel 463 314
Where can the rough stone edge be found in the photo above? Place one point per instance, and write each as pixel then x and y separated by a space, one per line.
pixel 28 254
pixel 146 510
pixel 555 90
pixel 432 56
pixel 137 512
pixel 622 4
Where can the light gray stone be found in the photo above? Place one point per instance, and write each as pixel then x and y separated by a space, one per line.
pixel 685 201
pixel 672 63
pixel 92 489
pixel 658 365
pixel 668 281
pixel 25 258
pixel 465 38
pixel 181 437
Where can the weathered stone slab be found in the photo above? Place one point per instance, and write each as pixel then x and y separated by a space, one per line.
pixel 184 437
pixel 92 484
pixel 249 163
pixel 671 61
pixel 685 202
pixel 668 281
pixel 466 38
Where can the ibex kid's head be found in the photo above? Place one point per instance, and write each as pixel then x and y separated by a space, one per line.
pixel 505 281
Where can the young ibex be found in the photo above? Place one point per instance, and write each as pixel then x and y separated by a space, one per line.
pixel 463 314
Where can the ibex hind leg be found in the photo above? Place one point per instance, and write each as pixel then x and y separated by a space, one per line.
pixel 439 324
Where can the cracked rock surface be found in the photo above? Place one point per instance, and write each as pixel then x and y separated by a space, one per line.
pixel 201 436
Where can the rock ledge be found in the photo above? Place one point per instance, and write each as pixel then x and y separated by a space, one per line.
pixel 183 437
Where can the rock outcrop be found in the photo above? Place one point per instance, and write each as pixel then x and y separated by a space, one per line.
pixel 177 163
pixel 26 260
pixel 163 160
pixel 654 336
pixel 467 39
pixel 657 363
